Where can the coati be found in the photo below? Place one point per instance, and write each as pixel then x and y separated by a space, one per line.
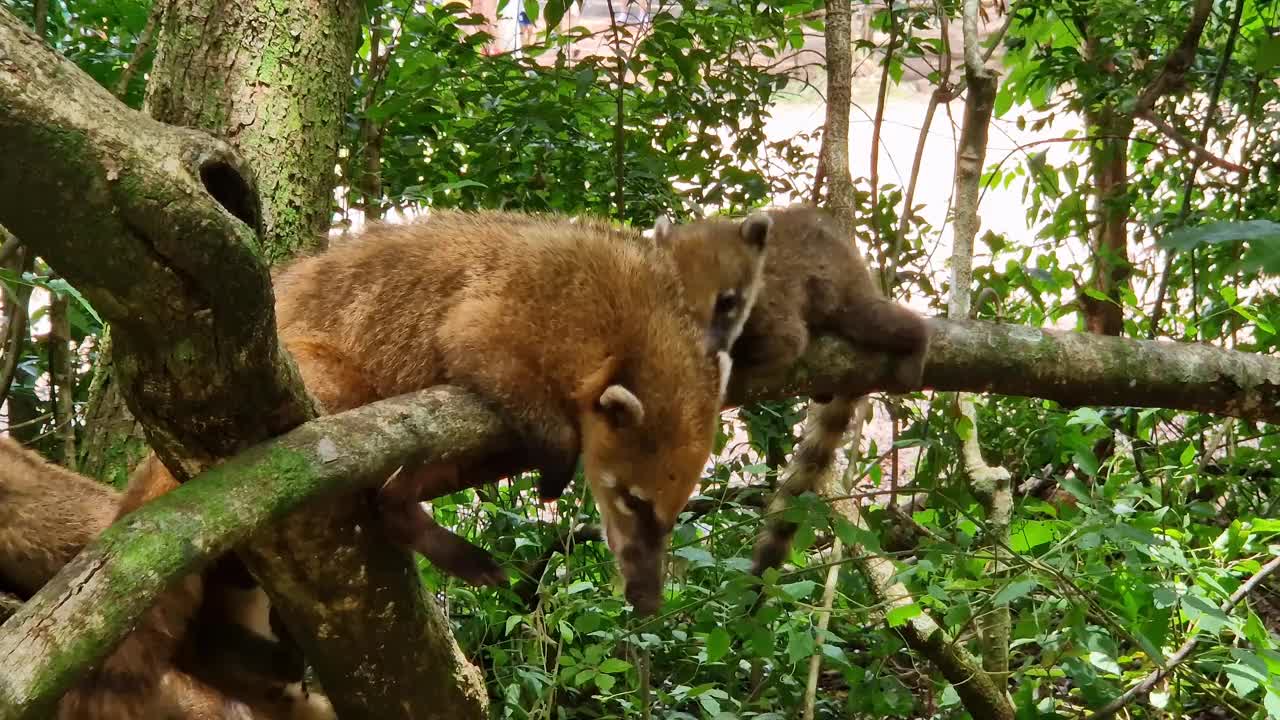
pixel 48 514
pixel 815 282
pixel 577 334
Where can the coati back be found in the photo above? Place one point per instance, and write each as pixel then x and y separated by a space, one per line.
pixel 815 282
pixel 576 335
pixel 47 515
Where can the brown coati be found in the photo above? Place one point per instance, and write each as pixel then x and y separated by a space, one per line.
pixel 576 334
pixel 48 514
pixel 815 282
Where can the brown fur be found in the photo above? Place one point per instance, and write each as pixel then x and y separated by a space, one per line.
pixel 815 282
pixel 574 332
pixel 47 515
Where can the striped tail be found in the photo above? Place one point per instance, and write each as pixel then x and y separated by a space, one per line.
pixel 812 461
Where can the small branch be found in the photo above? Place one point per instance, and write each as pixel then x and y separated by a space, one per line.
pixel 1143 687
pixel 141 49
pixel 1202 154
pixel 16 322
pixel 1189 184
pixel 62 379
pixel 1179 61
pixel 842 486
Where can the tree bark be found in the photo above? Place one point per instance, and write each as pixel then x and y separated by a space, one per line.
pixel 272 81
pixel 62 381
pixel 990 484
pixel 1071 368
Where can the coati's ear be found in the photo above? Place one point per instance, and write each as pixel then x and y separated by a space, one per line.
pixel 755 229
pixel 662 230
pixel 622 406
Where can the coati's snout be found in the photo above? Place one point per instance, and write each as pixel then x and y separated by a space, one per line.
pixel 642 465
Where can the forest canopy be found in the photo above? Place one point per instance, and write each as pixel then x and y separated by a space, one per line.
pixel 1074 517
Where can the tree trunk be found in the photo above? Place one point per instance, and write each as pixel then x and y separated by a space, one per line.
pixel 273 81
pixel 1109 165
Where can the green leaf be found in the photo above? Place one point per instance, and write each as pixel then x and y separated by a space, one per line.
pixel 614 665
pixel 65 288
pixel 799 645
pixel 605 682
pixel 1088 417
pixel 1028 534
pixel 1015 590
pixel 797 590
pixel 580 586
pixel 899 615
pixel 1268 55
pixel 1272 703
pixel 1104 662
pixel 697 556
pixel 512 621
pixel 717 644
pixel 1226 231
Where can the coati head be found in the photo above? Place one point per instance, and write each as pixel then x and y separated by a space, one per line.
pixel 643 463
pixel 721 263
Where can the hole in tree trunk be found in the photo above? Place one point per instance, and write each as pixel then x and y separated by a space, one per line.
pixel 231 191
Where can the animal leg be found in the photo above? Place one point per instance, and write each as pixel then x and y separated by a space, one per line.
pixel 888 326
pixel 408 524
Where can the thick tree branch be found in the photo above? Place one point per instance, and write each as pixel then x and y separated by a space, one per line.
pixel 94 600
pixel 1072 368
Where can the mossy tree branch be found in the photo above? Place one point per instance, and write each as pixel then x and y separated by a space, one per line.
pixel 1072 368
pixel 93 601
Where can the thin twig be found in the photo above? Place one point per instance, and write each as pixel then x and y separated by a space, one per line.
pixel 140 50
pixel 1190 145
pixel 1184 652
pixel 1188 185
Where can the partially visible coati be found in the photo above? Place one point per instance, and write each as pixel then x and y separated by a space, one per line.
pixel 815 282
pixel 48 514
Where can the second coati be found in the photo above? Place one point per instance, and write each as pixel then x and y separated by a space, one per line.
pixel 578 335
pixel 48 514
pixel 815 282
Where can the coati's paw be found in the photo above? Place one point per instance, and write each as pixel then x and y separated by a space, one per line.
pixel 908 374
pixel 465 561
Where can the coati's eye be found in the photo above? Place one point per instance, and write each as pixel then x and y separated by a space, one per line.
pixel 726 302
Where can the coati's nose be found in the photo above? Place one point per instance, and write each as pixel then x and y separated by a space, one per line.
pixel 644 598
